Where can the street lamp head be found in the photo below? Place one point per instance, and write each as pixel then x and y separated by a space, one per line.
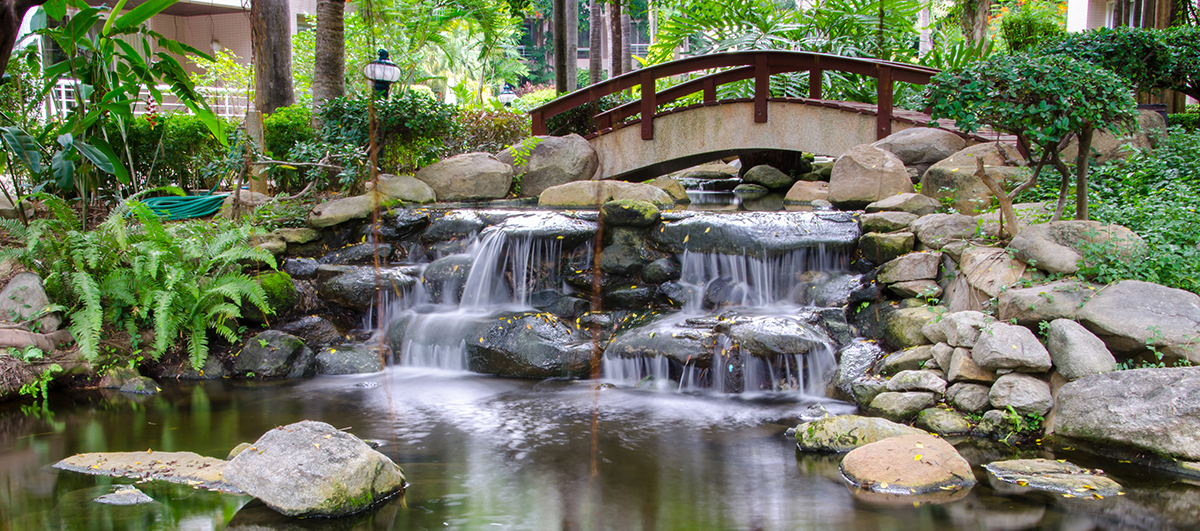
pixel 382 72
pixel 507 96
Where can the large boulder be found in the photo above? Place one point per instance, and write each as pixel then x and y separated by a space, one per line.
pixel 908 464
pixel 936 230
pixel 865 174
pixel 847 432
pixel 595 193
pixel 854 363
pixel 672 187
pixel 1107 146
pixel 358 287
pixel 1131 316
pixel 968 397
pixel 348 360
pixel 1076 352
pixel 527 345
pixel 900 406
pixel 274 354
pixel 1023 393
pixel 1055 247
pixel 312 469
pixel 314 330
pixel 1005 346
pixel 1064 478
pixel 922 147
pixel 1152 410
pixel 554 160
pixel 467 177
pixel 957 329
pixel 24 298
pixel 917 381
pixel 881 248
pixel 1056 300
pixel 990 270
pixel 773 336
pixel 913 266
pixel 910 203
pixel 768 176
pixel 759 235
pixel 662 337
pixel 630 213
pixel 405 188
pixel 886 221
pixel 805 192
pixel 331 213
pixel 953 180
pixel 903 327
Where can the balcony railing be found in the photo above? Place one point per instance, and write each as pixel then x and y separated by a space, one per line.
pixel 224 102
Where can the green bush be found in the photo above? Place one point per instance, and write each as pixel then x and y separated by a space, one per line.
pixel 1188 121
pixel 285 128
pixel 1142 57
pixel 169 149
pixel 489 130
pixel 1032 25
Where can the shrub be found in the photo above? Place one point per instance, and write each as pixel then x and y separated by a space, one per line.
pixel 169 149
pixel 1032 25
pixel 1140 56
pixel 285 128
pixel 489 130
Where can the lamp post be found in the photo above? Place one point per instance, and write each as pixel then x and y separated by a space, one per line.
pixel 382 72
pixel 507 96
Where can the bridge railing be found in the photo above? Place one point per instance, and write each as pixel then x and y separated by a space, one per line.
pixel 756 65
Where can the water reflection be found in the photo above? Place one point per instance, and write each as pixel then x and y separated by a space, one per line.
pixel 490 453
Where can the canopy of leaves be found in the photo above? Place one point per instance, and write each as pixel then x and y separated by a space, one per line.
pixel 1184 42
pixel 1043 99
pixel 1140 56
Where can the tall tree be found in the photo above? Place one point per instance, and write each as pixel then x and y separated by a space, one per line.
pixel 559 9
pixel 572 50
pixel 329 53
pixel 272 46
pixel 618 48
pixel 595 26
pixel 626 42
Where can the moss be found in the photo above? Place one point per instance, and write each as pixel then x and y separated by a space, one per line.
pixel 280 289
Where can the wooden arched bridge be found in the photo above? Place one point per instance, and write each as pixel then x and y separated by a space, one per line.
pixel 678 138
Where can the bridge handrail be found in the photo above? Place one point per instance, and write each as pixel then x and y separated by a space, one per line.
pixel 759 65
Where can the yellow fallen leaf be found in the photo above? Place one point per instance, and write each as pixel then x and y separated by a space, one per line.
pixel 884 485
pixel 1068 495
pixel 685 238
pixel 917 457
pixel 706 230
pixel 318 445
pixel 919 445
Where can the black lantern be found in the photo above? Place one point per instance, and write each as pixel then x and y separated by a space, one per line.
pixel 507 96
pixel 382 72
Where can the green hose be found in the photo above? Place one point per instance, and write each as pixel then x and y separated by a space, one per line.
pixel 175 207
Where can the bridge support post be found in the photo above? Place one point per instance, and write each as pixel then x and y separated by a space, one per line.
pixel 762 87
pixel 814 83
pixel 883 120
pixel 648 104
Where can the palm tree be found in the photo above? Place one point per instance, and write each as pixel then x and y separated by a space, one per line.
pixel 329 65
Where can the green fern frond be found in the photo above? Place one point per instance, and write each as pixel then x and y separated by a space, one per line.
pixel 87 321
pixel 166 323
pixel 198 344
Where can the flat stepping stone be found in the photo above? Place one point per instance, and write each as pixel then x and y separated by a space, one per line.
pixel 1068 479
pixel 176 467
pixel 124 495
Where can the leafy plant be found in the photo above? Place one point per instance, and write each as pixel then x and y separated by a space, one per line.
pixel 1139 56
pixel 1030 26
pixel 39 389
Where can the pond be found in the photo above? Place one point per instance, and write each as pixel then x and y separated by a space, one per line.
pixel 492 453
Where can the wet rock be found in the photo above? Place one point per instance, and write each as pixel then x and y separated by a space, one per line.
pixel 356 254
pixel 527 346
pixel 1076 352
pixel 663 338
pixel 968 397
pixel 1155 410
pixel 1005 346
pixel 804 192
pixel 274 354
pixel 313 330
pixel 405 188
pixel 1131 315
pixel 348 360
pixel 1054 476
pixel 847 432
pixel 886 221
pixel 678 295
pixel 1025 394
pixel 313 469
pixel 995 424
pixel 833 321
pixel 922 147
pixel 914 266
pixel 871 320
pixel 180 467
pixel 331 213
pixel 24 298
pixel 756 234
pixel 553 160
pixel 774 336
pixel 467 177
pixel 621 260
pixel 567 231
pixel 282 297
pixel 865 390
pixel 909 359
pixel 1055 247
pixel 140 385
pixel 917 381
pixel 661 270
pixel 452 225
pixel 908 203
pixel 595 193
pixel 854 362
pixel 957 329
pixel 904 327
pixel 865 174
pixel 124 495
pixel 768 177
pixel 942 421
pixel 908 464
pixel 814 412
pixel 356 287
pixel 882 248
pixel 936 230
pixel 213 369
pixel 628 297
pixel 116 376
pixel 962 368
pixel 1057 300
pixel 630 213
pixel 300 268
pixel 672 187
pixel 900 407
pixel 990 270
pixel 568 307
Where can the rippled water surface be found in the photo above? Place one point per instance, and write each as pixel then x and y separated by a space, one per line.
pixel 490 453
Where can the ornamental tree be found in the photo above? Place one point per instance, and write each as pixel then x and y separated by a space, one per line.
pixel 1141 56
pixel 1045 101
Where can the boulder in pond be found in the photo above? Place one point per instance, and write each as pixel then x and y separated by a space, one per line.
pixel 865 174
pixel 768 176
pixel 274 354
pixel 312 469
pixel 468 177
pixel 672 187
pixel 805 192
pixel 348 360
pixel 1131 315
pixel 908 464
pixel 124 495
pixel 549 161
pixel 847 432
pixel 585 194
pixel 527 345
pixel 942 421
pixel 1152 410
pixel 773 336
pixel 1023 393
pixel 358 287
pixel 1054 476
pixel 140 385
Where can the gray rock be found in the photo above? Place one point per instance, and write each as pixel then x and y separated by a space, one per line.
pixel 356 287
pixel 957 329
pixel 621 260
pixel 953 179
pixel 941 352
pixel 768 177
pixel 357 254
pixel 1131 315
pixel 553 161
pixel 1057 300
pixel 1025 394
pixel 990 270
pixel 568 231
pixel 9 211
pixel 248 202
pixel 274 354
pixel 865 174
pixel 865 390
pixel 24 298
pixel 1055 247
pixel 917 381
pixel 886 221
pixel 820 205
pixel 672 187
pixel 331 213
pixel 908 464
pixel 628 297
pixel 936 230
pixel 661 270
pixel 881 248
pixel 922 147
pixel 847 432
pixel 912 266
pixel 1153 410
pixel 1076 352
pixel 124 495
pixel 833 321
pixel 942 421
pixel 805 192
pixel 526 345
pixel 910 359
pixel 315 331
pixel 759 235
pixel 995 423
pixel 453 225
pixel 213 369
pixel 1107 146
pixel 962 368
pixel 773 336
pixel 916 289
pixel 814 412
pixel 1005 346
pixel 469 176
pixel 968 397
pixel 899 407
pixel 313 469
pixel 405 188
pixel 854 363
pixel 658 337
pixel 595 193
pixel 395 226
pixel 903 327
pixel 1054 476
pixel 300 268
pixel 348 360
pixel 908 203
pixel 140 385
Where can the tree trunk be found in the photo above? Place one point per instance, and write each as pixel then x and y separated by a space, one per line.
pixel 559 8
pixel 626 43
pixel 572 22
pixel 329 65
pixel 272 45
pixel 595 26
pixel 11 14
pixel 975 20
pixel 618 64
pixel 1081 172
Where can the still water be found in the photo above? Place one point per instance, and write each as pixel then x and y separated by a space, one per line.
pixel 492 453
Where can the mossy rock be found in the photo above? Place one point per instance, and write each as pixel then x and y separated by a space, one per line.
pixel 630 213
pixel 281 295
